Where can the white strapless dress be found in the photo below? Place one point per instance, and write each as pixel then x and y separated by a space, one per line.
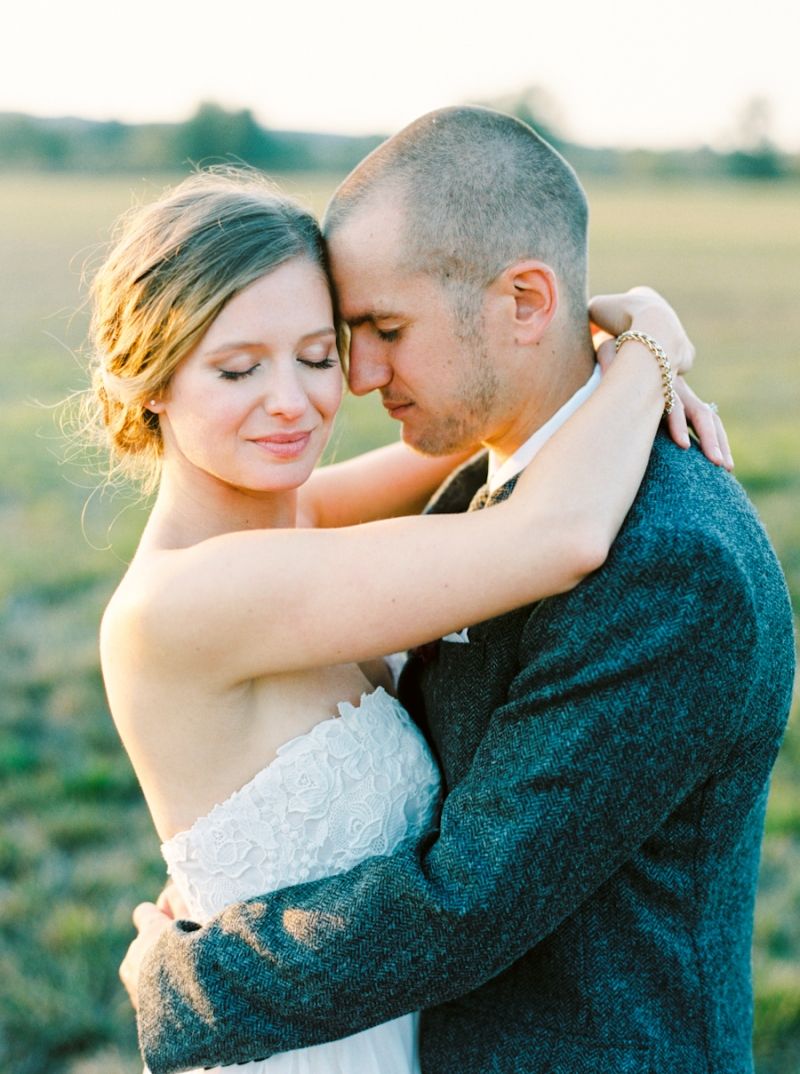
pixel 355 786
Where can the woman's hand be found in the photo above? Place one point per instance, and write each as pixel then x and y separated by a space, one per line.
pixel 690 410
pixel 644 310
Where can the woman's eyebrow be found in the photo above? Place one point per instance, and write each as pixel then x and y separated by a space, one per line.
pixel 328 330
pixel 250 345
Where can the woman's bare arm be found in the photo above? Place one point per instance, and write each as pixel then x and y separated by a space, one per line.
pixel 259 602
pixel 384 483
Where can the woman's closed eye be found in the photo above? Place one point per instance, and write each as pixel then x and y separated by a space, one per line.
pixel 320 357
pixel 236 374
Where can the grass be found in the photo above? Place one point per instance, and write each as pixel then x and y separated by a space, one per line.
pixel 76 847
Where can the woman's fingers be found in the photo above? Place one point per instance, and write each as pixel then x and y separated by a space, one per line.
pixel 677 424
pixel 707 425
pixel 606 352
pixel 722 436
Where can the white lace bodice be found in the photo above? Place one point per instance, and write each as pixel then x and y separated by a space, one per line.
pixel 355 786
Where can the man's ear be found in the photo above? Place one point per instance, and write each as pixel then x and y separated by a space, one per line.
pixel 533 288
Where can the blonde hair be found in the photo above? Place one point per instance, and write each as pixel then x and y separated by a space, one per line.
pixel 174 264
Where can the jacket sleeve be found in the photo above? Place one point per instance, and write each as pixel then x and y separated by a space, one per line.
pixel 630 692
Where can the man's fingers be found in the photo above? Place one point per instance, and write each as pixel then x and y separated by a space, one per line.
pixel 164 902
pixel 171 903
pixel 129 974
pixel 150 923
pixel 146 913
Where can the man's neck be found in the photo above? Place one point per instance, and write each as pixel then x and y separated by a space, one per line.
pixel 565 375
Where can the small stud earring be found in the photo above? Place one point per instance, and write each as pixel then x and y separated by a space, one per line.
pixel 152 403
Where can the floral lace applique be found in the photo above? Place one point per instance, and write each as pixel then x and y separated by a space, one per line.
pixel 355 786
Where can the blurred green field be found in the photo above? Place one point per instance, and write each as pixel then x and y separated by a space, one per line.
pixel 76 846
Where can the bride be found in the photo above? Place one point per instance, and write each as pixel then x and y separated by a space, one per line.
pixel 242 649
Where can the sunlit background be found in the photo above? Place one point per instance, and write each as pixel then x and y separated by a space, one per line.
pixel 621 73
pixel 682 119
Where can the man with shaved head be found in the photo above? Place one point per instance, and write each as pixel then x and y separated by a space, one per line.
pixel 586 904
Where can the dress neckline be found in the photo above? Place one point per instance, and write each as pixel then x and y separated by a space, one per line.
pixel 345 711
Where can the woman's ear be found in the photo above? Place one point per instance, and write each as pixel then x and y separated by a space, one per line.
pixel 534 289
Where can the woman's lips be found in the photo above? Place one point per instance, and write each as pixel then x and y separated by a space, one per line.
pixel 284 445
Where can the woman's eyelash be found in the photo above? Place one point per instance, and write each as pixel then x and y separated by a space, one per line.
pixel 388 335
pixel 232 374
pixel 325 363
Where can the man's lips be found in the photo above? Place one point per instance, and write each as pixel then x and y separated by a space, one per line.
pixel 397 409
pixel 284 445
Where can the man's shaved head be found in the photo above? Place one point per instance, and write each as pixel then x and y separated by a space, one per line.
pixel 478 191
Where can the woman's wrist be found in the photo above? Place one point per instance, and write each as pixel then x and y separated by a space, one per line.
pixel 659 355
pixel 636 376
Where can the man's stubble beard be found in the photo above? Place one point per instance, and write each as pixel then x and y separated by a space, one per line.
pixel 466 424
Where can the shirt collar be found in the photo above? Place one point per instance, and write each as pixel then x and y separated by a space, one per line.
pixel 500 474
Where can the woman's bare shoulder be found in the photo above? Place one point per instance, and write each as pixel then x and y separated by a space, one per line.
pixel 175 599
pixel 143 605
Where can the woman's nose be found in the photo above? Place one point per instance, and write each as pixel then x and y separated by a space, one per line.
pixel 285 394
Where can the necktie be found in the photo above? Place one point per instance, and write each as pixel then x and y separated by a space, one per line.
pixel 480 499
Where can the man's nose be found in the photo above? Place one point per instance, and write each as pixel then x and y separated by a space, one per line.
pixel 368 367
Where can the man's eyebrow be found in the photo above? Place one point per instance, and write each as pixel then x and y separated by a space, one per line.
pixel 373 315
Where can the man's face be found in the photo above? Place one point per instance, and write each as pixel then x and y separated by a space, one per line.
pixel 433 375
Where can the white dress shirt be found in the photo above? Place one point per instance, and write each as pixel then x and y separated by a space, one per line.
pixel 500 473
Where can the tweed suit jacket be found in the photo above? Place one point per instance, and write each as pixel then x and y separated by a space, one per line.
pixel 586 905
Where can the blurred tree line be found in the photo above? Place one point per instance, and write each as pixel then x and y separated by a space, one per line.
pixel 754 156
pixel 214 134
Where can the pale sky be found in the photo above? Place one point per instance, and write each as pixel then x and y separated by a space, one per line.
pixel 633 72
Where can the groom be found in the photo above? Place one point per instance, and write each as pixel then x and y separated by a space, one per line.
pixel 587 903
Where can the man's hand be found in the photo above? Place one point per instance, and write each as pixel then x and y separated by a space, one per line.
pixel 150 923
pixel 170 902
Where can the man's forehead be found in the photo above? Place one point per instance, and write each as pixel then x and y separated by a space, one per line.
pixel 369 283
pixel 363 298
pixel 371 232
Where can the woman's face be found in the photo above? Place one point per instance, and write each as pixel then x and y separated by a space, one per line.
pixel 254 402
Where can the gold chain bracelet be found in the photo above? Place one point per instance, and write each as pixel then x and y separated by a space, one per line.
pixel 661 358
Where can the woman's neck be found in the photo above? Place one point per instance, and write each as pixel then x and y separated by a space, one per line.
pixel 189 511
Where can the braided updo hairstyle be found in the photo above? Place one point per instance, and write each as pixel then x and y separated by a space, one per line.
pixel 174 265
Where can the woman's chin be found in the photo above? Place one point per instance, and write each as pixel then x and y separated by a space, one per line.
pixel 283 478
